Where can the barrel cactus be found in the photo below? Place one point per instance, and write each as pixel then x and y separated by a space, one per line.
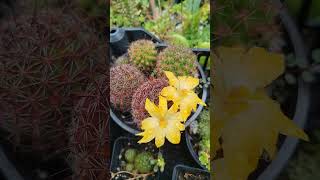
pixel 177 59
pixel 124 81
pixel 143 54
pixel 150 89
pixel 46 60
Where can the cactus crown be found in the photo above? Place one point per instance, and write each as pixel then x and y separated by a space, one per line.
pixel 124 81
pixel 143 54
pixel 244 22
pixel 177 59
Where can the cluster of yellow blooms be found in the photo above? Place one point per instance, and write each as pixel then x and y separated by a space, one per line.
pixel 168 123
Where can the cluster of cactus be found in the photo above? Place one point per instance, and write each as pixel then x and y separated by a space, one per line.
pixel 245 22
pixel 125 79
pixel 46 60
pixel 177 59
pixel 142 162
pixel 143 54
pixel 150 89
pixel 89 143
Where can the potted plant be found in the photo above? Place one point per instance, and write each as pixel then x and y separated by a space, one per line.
pixel 245 39
pixel 139 74
pixel 198 139
pixel 131 160
pixel 182 172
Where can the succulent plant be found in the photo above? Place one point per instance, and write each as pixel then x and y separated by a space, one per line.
pixel 124 81
pixel 143 162
pixel 245 22
pixel 177 59
pixel 130 155
pixel 143 54
pixel 46 60
pixel 204 124
pixel 89 134
pixel 150 89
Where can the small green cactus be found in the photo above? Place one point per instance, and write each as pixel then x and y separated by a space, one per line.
pixel 143 54
pixel 130 155
pixel 177 59
pixel 124 80
pixel 129 167
pixel 143 163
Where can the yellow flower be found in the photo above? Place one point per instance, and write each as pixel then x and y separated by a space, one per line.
pixel 181 92
pixel 162 124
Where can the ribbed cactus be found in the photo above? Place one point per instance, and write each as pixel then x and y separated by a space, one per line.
pixel 150 89
pixel 177 59
pixel 46 60
pixel 244 22
pixel 89 135
pixel 143 54
pixel 125 79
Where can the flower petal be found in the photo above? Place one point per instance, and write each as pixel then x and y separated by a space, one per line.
pixel 170 93
pixel 174 108
pixel 152 109
pixel 160 138
pixel 147 137
pixel 173 135
pixel 163 107
pixel 149 123
pixel 171 77
pixel 180 126
pixel 189 103
pixel 187 83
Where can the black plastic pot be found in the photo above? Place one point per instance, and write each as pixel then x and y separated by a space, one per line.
pixel 180 170
pixel 303 100
pixel 193 153
pixel 120 38
pixel 120 143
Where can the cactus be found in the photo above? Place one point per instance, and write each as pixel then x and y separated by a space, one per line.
pixel 150 89
pixel 143 54
pixel 143 162
pixel 130 155
pixel 177 59
pixel 89 135
pixel 250 23
pixel 124 59
pixel 46 59
pixel 124 81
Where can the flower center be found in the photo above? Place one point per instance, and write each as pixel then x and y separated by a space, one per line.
pixel 163 123
pixel 184 92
